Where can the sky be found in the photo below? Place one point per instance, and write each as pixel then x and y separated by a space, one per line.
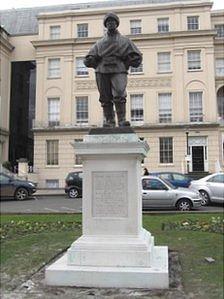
pixel 218 4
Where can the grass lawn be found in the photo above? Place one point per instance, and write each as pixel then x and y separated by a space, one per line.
pixel 30 241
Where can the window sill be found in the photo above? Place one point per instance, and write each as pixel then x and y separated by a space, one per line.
pixel 166 165
pixel 164 73
pixel 196 70
pixel 81 76
pixel 53 78
pixel 140 73
pixel 78 165
pixel 52 166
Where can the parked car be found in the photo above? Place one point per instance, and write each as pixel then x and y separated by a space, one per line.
pixel 159 193
pixel 211 188
pixel 175 178
pixel 12 187
pixel 73 184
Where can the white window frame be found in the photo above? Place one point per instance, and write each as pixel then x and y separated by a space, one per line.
pixel 54 70
pixel 166 150
pixel 81 69
pixel 136 26
pixel 52 152
pixel 220 30
pixel 55 32
pixel 136 70
pixel 82 110
pixel 192 23
pixel 137 109
pixel 52 183
pixel 165 107
pixel 164 62
pixel 82 30
pixel 53 111
pixel 163 25
pixel 196 106
pixel 194 60
pixel 219 67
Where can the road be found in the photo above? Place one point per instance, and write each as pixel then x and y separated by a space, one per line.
pixel 63 204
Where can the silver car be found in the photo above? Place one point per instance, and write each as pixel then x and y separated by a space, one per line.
pixel 211 188
pixel 159 193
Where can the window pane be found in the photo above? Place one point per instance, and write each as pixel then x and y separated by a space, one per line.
pixel 195 104
pixel 194 60
pixel 220 30
pixel 52 183
pixel 219 65
pixel 54 68
pixel 163 62
pixel 193 23
pixel 55 32
pixel 138 69
pixel 82 30
pixel 137 108
pixel 53 111
pixel 165 109
pixel 81 69
pixel 136 26
pixel 163 25
pixel 166 149
pixel 52 152
pixel 82 110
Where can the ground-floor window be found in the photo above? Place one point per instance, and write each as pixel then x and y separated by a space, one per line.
pixel 166 149
pixel 52 152
pixel 52 184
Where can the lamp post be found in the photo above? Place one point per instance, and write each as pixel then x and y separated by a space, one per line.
pixel 187 150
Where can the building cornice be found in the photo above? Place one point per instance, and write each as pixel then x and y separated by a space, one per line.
pixel 147 127
pixel 129 8
pixel 139 37
pixel 6 44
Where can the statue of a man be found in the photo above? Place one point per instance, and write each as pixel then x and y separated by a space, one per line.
pixel 111 57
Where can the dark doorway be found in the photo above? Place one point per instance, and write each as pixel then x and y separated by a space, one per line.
pixel 197 158
pixel 22 110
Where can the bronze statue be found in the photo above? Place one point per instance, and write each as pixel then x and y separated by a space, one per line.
pixel 111 57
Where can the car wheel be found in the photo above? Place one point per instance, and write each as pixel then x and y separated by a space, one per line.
pixel 205 198
pixel 184 205
pixel 73 193
pixel 21 194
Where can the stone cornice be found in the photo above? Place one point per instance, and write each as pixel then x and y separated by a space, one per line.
pixel 124 9
pixel 139 37
pixel 6 44
pixel 146 127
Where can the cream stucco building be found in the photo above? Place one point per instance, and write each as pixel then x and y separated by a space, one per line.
pixel 175 98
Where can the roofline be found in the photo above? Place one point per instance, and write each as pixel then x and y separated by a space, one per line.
pixel 123 8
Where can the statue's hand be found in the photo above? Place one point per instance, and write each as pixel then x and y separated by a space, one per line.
pixel 91 61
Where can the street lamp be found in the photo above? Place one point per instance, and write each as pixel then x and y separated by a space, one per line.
pixel 187 150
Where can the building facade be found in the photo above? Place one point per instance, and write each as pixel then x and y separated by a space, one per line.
pixel 175 98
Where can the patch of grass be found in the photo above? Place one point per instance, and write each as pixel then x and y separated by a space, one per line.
pixel 22 254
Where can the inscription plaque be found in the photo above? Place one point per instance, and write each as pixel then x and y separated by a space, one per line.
pixel 109 194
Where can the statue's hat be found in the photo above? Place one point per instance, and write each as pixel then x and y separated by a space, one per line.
pixel 111 15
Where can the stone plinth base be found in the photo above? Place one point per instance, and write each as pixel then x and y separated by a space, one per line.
pixel 154 277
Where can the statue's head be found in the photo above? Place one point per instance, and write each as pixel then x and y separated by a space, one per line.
pixel 109 18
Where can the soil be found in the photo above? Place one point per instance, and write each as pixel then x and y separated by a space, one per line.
pixel 35 287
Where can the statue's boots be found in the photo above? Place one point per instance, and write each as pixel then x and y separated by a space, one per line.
pixel 121 114
pixel 109 116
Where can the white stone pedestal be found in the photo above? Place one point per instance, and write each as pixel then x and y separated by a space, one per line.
pixel 114 250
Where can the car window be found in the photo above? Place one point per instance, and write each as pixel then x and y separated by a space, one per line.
pixel 178 177
pixel 152 184
pixel 219 178
pixel 166 176
pixel 4 178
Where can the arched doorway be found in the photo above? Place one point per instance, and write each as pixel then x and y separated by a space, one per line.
pixel 220 103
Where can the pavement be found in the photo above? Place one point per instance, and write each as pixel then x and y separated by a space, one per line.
pixel 43 192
